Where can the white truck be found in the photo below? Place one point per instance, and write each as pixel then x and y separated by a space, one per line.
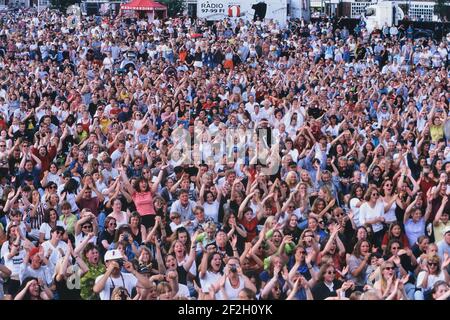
pixel 384 12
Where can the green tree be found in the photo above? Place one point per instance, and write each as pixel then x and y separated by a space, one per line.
pixel 441 8
pixel 174 7
pixel 62 4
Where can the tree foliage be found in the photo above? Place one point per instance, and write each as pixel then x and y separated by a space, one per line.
pixel 441 7
pixel 174 7
pixel 62 4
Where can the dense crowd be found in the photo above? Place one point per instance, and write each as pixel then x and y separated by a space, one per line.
pixel 178 159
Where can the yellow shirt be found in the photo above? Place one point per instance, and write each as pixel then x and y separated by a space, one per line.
pixel 438 231
pixel 104 124
pixel 69 222
pixel 436 132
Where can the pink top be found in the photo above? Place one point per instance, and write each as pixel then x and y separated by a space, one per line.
pixel 144 203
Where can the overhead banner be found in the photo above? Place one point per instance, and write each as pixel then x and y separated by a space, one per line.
pixel 243 9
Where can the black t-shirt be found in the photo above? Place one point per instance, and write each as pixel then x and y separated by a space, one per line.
pixel 24 135
pixel 65 293
pixel 315 112
pixel 198 56
pixel 13 165
pixel 240 240
pixel 104 235
pixel 416 250
pixel 295 234
pixel 93 108
pixel 189 59
pixel 182 275
pixel 320 291
pixel 138 237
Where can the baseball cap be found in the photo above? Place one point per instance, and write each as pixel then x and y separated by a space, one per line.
pixel 113 255
pixel 446 229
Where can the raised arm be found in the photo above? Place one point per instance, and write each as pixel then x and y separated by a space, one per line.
pixel 190 260
pixel 269 285
pixel 429 207
pixel 203 265
pixel 158 179
pixel 37 160
pixel 81 222
pixel 126 182
pixel 408 211
pixel 440 211
pixel 244 205
pixel 201 195
pixel 159 258
pixel 79 249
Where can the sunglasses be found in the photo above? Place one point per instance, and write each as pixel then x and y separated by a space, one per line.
pixel 87 227
pixel 3 145
pixel 302 252
pixel 389 268
pixel 331 272
pixel 395 248
pixel 432 264
pixel 113 224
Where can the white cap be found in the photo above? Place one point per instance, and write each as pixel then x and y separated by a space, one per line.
pixel 446 229
pixel 113 255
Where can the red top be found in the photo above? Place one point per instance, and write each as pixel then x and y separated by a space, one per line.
pixel 250 227
pixel 144 203
pixel 424 187
pixel 403 239
pixel 45 160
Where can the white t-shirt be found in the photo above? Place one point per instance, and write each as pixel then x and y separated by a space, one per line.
pixel 414 230
pixel 183 291
pixel 46 229
pixel 107 175
pixel 79 239
pixel 232 293
pixel 123 220
pixel 389 216
pixel 356 217
pixel 432 279
pixel 15 262
pixel 44 272
pixel 126 280
pixel 56 255
pixel 212 210
pixel 22 227
pixel 210 279
pixel 366 212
